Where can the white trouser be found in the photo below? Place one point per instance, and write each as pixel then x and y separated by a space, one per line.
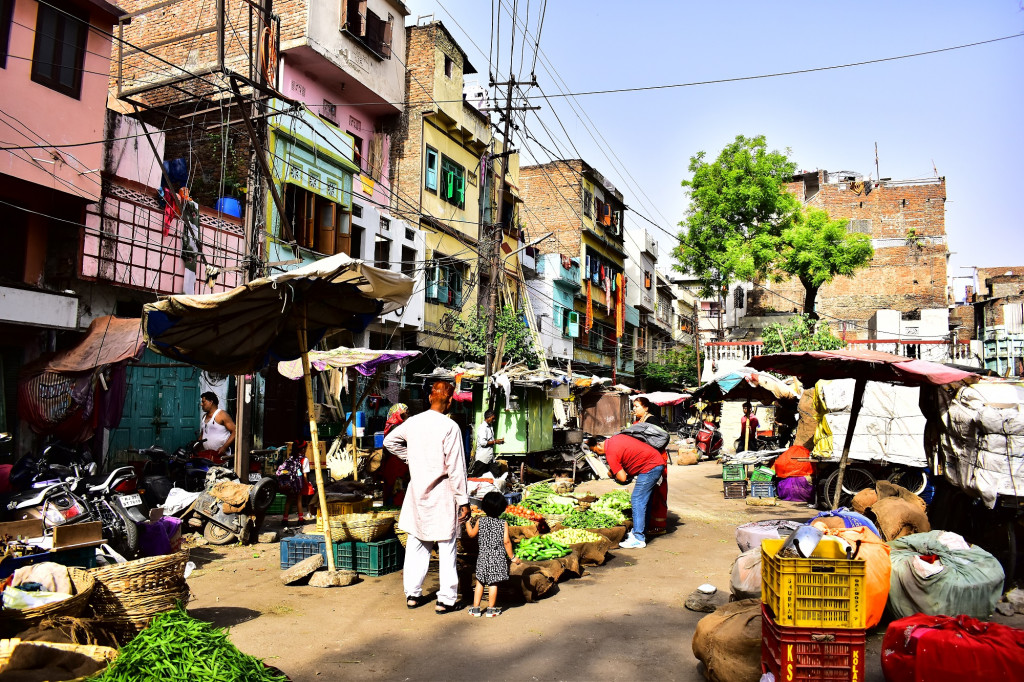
pixel 417 562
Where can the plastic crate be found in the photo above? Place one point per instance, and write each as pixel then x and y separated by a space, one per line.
pixel 762 489
pixel 734 472
pixel 513 498
pixel 762 474
pixel 276 507
pixel 379 558
pixel 826 590
pixel 82 557
pixel 833 655
pixel 300 547
pixel 734 490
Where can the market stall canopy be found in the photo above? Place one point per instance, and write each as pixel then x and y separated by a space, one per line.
pixel 746 383
pixel 109 340
pixel 363 360
pixel 245 329
pixel 869 365
pixel 663 398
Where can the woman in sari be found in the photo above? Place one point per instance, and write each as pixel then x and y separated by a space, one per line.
pixel 393 471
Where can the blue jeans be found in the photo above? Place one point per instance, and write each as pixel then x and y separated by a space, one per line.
pixel 643 486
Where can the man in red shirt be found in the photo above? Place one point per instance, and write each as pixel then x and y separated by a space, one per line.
pixel 748 430
pixel 628 456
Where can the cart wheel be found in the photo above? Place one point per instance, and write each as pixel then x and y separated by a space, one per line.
pixel 854 480
pixel 914 480
pixel 216 535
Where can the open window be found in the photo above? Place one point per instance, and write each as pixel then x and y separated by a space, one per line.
pixel 445 281
pixel 372 31
pixel 319 224
pixel 588 203
pixel 430 170
pixel 453 182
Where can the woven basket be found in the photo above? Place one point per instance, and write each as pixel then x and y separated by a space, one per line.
pixel 553 519
pixel 22 619
pixel 369 527
pixel 129 595
pixel 339 529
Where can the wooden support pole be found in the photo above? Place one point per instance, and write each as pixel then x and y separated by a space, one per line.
pixel 315 439
pixel 858 398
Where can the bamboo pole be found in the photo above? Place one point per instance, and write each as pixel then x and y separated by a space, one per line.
pixel 315 438
pixel 858 398
pixel 352 421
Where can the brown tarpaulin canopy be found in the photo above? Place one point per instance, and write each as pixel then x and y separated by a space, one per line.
pixel 109 340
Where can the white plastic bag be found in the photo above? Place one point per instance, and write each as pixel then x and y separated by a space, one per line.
pixel 15 598
pixel 745 582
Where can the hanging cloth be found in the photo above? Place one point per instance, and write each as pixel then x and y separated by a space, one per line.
pixel 608 295
pixel 588 320
pixel 620 312
pixel 602 271
pixel 566 263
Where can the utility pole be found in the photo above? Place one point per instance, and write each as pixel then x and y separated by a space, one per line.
pixel 696 336
pixel 496 236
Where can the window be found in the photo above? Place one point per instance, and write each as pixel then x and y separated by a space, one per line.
pixel 448 66
pixel 357 149
pixel 319 225
pixel 59 52
pixel 588 203
pixel 382 253
pixel 408 261
pixel 6 10
pixel 385 224
pixel 357 242
pixel 738 297
pixel 572 323
pixel 444 282
pixel 647 279
pixel 453 182
pixel 372 31
pixel 357 211
pixel 410 234
pixel 430 175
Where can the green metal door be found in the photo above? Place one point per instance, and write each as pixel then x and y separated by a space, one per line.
pixel 161 406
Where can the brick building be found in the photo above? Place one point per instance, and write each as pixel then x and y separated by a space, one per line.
pixel 585 213
pixel 906 221
pixel 997 322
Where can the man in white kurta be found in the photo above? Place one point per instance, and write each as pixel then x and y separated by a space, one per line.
pixel 436 500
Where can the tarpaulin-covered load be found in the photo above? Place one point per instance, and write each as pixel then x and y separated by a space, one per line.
pixel 890 428
pixel 981 438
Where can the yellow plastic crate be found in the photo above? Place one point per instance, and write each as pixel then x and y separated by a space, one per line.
pixel 339 508
pixel 825 591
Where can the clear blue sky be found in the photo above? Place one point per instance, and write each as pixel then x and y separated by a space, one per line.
pixel 961 110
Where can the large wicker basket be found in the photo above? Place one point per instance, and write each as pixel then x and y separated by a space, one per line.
pixel 369 527
pixel 16 620
pixel 129 595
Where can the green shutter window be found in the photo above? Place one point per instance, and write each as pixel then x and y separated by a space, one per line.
pixel 574 325
pixel 461 188
pixel 449 184
pixel 432 277
pixel 431 174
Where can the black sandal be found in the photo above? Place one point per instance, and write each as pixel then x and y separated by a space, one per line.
pixel 416 602
pixel 446 608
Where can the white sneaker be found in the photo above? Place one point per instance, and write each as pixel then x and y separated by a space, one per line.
pixel 632 543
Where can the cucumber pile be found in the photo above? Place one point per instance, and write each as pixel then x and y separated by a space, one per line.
pixel 541 548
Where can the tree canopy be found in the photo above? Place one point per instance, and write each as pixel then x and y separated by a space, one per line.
pixel 674 367
pixel 508 322
pixel 744 224
pixel 800 333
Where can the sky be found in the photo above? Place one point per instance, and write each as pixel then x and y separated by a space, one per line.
pixel 960 112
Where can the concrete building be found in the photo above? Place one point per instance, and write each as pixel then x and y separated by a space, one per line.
pixel 642 287
pixel 55 93
pixel 585 213
pixel 993 314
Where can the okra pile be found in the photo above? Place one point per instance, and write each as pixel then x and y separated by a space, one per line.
pixel 178 648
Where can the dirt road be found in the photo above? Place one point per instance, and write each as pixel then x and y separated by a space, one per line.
pixel 621 621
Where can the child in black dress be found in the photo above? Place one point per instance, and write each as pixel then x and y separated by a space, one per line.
pixel 495 552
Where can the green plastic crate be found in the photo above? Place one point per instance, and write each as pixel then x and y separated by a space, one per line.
pixel 762 474
pixel 379 558
pixel 734 472
pixel 276 507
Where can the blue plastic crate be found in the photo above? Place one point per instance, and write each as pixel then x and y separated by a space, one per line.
pixel 762 489
pixel 300 547
pixel 513 498
pixel 379 558
pixel 83 557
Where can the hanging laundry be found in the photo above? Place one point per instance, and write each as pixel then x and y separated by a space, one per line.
pixel 608 295
pixel 566 262
pixel 602 271
pixel 587 271
pixel 588 321
pixel 170 211
pixel 614 285
pixel 620 310
pixel 189 243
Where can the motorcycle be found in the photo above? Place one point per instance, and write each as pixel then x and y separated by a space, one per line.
pixel 54 504
pixel 114 500
pixel 57 462
pixel 186 468
pixel 709 442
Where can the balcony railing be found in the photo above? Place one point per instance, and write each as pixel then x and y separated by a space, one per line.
pixel 935 351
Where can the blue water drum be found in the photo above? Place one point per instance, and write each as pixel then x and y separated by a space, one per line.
pixel 360 423
pixel 229 206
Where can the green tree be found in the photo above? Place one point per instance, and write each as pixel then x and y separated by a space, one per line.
pixel 816 250
pixel 800 333
pixel 744 224
pixel 739 208
pixel 508 322
pixel 674 367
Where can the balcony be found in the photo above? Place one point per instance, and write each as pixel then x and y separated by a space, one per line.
pixel 570 275
pixel 935 351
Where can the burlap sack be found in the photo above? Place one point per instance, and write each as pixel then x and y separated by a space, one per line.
pixel 728 642
pixel 614 535
pixel 592 553
pixel 687 457
pixel 517 533
pixel 896 517
pixel 808 423
pixel 531 580
pixel 863 500
pixel 886 489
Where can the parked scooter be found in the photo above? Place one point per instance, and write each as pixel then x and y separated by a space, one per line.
pixel 54 505
pixel 185 468
pixel 709 442
pixel 113 499
pixel 57 462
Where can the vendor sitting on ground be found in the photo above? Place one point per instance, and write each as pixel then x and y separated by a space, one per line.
pixel 628 456
pixel 485 442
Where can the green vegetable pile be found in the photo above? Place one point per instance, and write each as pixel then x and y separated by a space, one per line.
pixel 612 503
pixel 541 548
pixel 176 647
pixel 574 536
pixel 554 508
pixel 592 519
pixel 513 520
pixel 537 496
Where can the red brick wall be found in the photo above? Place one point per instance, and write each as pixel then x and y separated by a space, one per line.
pixel 904 275
pixel 963 315
pixel 553 203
